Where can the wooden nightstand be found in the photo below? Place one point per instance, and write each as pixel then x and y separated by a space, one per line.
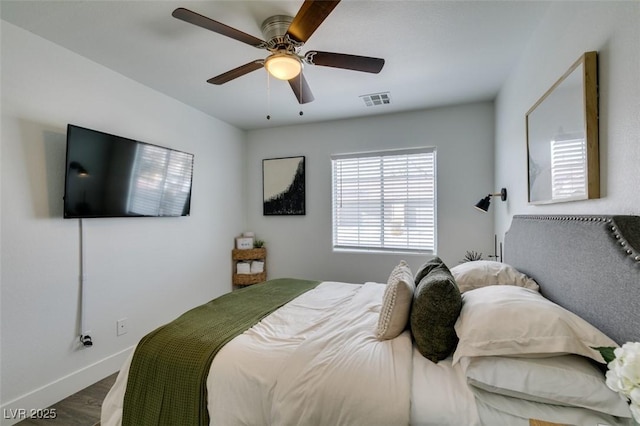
pixel 259 254
pixel 534 422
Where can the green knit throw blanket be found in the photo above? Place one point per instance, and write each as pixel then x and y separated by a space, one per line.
pixel 167 380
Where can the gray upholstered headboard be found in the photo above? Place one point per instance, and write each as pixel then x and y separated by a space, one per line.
pixel 589 265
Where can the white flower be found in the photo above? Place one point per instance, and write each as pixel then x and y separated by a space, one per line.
pixel 624 375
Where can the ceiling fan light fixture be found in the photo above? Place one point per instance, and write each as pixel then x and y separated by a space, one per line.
pixel 283 66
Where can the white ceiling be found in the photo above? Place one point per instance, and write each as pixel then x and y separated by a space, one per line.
pixel 437 52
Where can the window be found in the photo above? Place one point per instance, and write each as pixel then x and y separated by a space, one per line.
pixel 385 201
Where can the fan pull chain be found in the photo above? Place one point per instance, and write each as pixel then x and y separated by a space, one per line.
pixel 268 97
pixel 301 94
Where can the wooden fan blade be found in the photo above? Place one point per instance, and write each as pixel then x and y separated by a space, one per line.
pixel 309 17
pixel 301 89
pixel 237 72
pixel 341 60
pixel 217 27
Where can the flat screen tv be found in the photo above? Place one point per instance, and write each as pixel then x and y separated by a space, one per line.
pixel 112 176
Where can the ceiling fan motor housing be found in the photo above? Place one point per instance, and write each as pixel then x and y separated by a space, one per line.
pixel 274 29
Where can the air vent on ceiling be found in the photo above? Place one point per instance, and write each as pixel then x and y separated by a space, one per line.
pixel 376 99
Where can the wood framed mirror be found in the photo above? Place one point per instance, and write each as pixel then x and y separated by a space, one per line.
pixel 562 137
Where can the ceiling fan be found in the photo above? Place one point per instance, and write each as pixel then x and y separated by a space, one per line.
pixel 285 37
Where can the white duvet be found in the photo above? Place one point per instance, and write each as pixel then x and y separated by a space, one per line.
pixel 316 361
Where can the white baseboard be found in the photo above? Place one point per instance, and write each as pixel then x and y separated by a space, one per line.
pixel 14 411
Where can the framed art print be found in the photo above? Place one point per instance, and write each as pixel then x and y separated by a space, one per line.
pixel 283 186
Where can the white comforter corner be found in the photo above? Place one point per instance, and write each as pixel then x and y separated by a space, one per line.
pixel 314 361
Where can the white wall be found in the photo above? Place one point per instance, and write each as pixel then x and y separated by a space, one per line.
pixel 301 246
pixel 148 270
pixel 569 30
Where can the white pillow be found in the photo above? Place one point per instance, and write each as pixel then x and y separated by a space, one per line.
pixel 396 303
pixel 481 273
pixel 508 320
pixel 495 409
pixel 569 380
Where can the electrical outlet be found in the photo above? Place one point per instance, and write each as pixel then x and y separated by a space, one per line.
pixel 122 326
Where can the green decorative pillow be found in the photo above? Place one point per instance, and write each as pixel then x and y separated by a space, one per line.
pixel 434 311
pixel 433 263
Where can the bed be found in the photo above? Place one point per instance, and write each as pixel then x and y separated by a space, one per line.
pixel 507 343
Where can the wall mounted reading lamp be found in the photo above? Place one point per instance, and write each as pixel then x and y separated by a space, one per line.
pixel 483 205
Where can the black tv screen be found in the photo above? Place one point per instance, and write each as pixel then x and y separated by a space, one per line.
pixel 112 176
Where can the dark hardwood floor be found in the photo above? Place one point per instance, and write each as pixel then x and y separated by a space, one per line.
pixel 80 409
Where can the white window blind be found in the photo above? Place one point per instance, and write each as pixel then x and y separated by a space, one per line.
pixel 385 200
pixel 568 167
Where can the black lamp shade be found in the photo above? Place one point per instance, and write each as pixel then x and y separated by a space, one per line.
pixel 484 204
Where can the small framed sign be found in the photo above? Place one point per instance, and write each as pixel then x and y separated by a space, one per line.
pixel 244 243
